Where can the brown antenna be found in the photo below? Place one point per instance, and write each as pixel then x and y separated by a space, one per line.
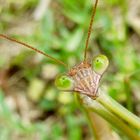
pixel 30 47
pixel 90 28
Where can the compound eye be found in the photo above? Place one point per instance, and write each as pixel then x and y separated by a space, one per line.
pixel 64 82
pixel 100 64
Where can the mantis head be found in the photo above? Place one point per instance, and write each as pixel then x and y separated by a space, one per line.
pixel 99 65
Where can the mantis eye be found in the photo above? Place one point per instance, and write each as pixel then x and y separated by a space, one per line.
pixel 63 82
pixel 100 64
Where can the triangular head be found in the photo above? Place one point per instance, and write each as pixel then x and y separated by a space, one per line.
pixel 85 77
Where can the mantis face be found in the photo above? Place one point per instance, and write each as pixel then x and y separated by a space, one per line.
pixel 84 78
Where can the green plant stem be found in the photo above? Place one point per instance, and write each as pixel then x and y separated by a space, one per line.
pixel 128 92
pixel 119 110
pixel 103 112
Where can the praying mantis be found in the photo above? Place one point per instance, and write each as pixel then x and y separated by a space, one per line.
pixel 84 77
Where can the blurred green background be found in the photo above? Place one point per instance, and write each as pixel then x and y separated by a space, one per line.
pixel 30 105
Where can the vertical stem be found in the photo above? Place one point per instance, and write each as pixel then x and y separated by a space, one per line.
pixel 128 94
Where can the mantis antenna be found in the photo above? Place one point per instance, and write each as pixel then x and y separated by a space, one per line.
pixel 32 48
pixel 90 28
